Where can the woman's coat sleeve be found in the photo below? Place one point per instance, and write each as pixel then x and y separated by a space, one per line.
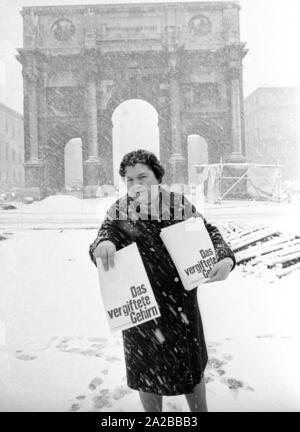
pixel 221 247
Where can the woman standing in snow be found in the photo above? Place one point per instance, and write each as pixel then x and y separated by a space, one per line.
pixel 167 355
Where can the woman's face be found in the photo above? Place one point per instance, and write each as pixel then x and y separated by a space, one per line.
pixel 141 182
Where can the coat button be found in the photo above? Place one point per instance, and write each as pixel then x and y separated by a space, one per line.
pixel 176 279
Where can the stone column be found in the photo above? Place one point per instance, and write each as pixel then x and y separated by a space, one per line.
pixel 92 120
pixel 177 161
pixel 92 164
pixel 236 126
pixel 33 118
pixel 165 142
pixel 105 137
pixel 227 185
pixel 33 165
pixel 42 120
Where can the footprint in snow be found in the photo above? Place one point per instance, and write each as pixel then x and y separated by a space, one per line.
pixel 215 363
pixel 120 392
pixel 98 345
pixel 89 352
pixel 111 358
pixel 62 345
pixel 265 336
pixel 214 344
pixel 74 407
pixel 95 383
pixel 81 397
pixel 71 350
pixel 228 357
pixel 233 383
pixel 173 406
pixel 208 379
pixel 101 401
pixel 216 373
pixel 25 356
pixel 249 388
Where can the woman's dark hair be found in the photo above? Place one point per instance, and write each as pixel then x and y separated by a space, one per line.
pixel 145 157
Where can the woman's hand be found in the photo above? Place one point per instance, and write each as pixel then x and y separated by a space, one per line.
pixel 106 250
pixel 221 270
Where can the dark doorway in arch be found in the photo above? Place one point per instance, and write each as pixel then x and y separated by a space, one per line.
pixel 62 139
pixel 216 133
pixel 135 126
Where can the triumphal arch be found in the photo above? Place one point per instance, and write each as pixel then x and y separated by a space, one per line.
pixel 80 62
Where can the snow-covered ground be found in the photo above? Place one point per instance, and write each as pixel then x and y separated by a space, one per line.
pixel 55 212
pixel 57 353
pixel 66 211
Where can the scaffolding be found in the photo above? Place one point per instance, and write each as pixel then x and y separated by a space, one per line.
pixel 250 181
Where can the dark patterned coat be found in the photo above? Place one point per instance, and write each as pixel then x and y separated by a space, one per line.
pixel 166 355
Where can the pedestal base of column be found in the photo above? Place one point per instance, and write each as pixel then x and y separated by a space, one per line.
pixel 177 166
pixel 235 157
pixel 34 178
pixel 92 171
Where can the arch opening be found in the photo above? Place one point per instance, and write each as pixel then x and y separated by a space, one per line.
pixel 197 155
pixel 73 164
pixel 135 126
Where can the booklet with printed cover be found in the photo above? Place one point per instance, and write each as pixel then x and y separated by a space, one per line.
pixel 127 295
pixel 191 250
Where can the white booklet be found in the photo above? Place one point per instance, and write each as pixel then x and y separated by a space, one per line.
pixel 126 291
pixel 191 250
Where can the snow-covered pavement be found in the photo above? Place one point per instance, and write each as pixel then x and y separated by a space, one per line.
pixel 57 353
pixel 63 211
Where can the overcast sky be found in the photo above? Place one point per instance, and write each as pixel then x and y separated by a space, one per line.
pixel 270 28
